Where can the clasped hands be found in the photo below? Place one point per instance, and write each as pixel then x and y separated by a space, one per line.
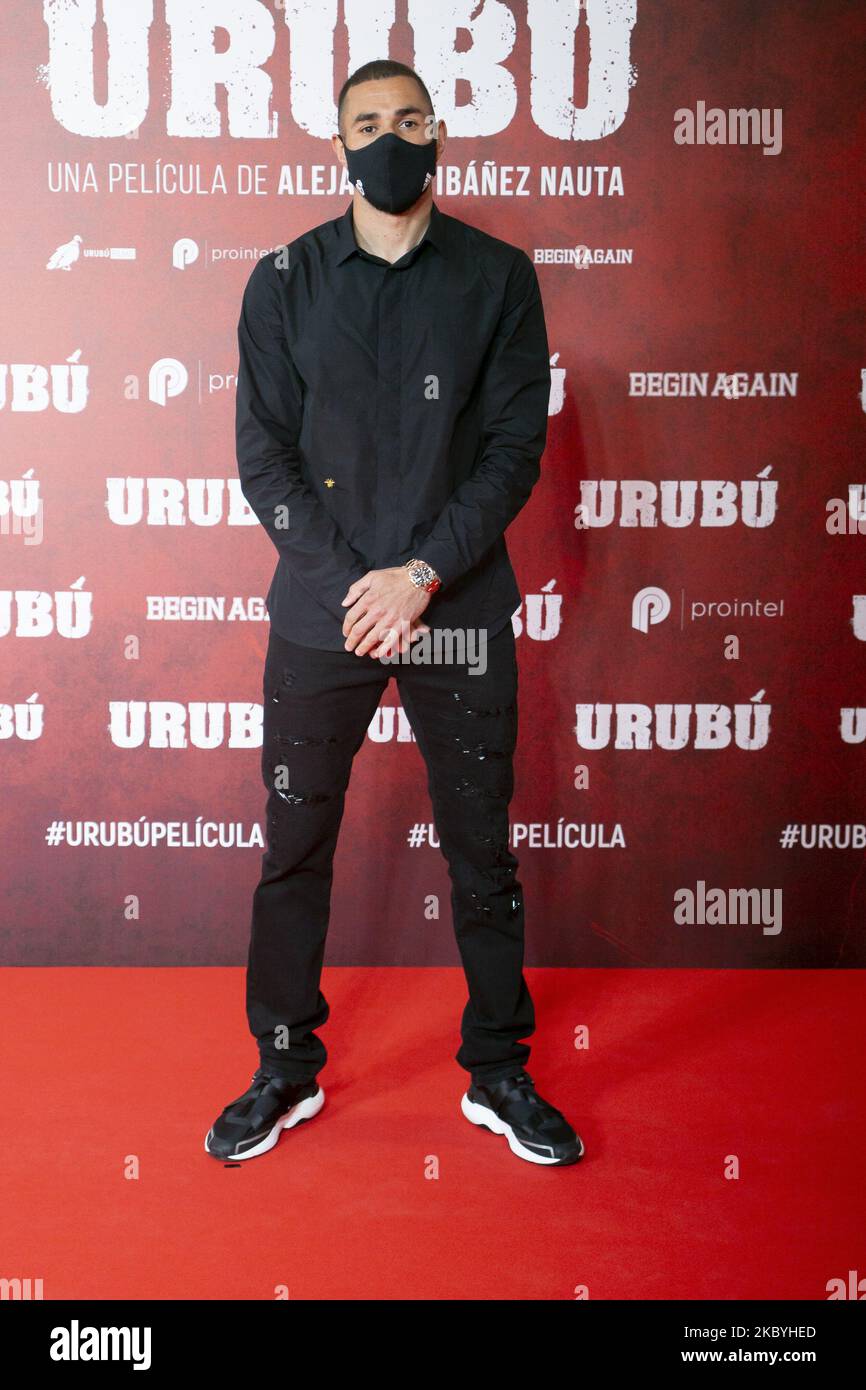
pixel 384 608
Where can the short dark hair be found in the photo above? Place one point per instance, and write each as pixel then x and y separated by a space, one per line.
pixel 372 72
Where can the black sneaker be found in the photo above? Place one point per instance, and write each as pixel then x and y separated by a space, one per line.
pixel 252 1124
pixel 534 1129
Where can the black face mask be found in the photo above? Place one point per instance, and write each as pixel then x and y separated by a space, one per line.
pixel 392 173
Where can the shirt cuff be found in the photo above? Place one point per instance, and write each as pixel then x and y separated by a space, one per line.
pixel 439 557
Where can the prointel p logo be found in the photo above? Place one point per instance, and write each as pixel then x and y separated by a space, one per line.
pixel 649 606
pixel 184 253
pixel 167 377
pixel 75 1343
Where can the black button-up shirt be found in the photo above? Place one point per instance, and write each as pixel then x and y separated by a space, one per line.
pixel 386 411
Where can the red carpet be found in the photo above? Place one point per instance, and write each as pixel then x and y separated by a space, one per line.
pixel 684 1068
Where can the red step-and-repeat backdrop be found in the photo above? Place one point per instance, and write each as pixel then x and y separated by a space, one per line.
pixel 685 176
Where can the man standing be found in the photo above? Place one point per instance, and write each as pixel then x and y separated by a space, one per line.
pixel 392 400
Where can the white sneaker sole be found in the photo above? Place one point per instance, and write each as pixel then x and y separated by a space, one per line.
pixel 478 1114
pixel 304 1110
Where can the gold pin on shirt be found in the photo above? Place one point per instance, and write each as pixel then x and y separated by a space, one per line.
pixel 329 482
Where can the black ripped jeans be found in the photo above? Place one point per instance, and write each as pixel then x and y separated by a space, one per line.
pixel 317 707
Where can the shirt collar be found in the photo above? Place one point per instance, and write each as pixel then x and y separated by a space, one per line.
pixel 343 243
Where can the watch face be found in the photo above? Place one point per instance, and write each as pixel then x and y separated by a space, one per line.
pixel 422 575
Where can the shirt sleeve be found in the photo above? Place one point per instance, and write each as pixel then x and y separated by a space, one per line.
pixel 268 415
pixel 515 395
